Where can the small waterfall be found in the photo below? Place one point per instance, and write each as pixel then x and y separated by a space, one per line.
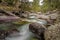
pixel 24 33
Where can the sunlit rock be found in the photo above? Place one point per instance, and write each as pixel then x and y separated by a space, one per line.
pixel 53 32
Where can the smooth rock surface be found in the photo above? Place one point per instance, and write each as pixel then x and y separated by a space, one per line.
pixel 53 32
pixel 38 30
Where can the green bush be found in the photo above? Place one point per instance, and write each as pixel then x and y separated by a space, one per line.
pixel 10 2
pixel 50 5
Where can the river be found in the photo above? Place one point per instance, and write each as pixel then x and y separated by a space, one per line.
pixel 24 33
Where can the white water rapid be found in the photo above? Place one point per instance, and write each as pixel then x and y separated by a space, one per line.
pixel 24 34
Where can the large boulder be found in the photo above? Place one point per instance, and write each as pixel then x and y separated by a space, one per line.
pixel 53 32
pixel 38 30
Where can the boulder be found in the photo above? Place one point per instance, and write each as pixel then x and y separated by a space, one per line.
pixel 50 18
pixel 2 11
pixel 16 13
pixel 53 32
pixel 38 30
pixel 3 34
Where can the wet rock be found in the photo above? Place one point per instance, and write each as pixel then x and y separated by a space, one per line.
pixel 53 32
pixel 2 11
pixel 10 31
pixel 45 17
pixel 50 17
pixel 3 34
pixel 6 33
pixel 38 30
pixel 13 32
pixel 16 13
pixel 24 14
pixel 1 14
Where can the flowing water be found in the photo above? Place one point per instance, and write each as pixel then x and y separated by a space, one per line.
pixel 24 34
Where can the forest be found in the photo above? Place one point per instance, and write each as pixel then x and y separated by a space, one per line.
pixel 29 19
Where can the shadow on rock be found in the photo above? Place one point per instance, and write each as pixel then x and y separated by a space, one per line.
pixel 38 30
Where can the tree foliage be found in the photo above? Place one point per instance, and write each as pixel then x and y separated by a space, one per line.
pixel 30 5
pixel 11 2
pixel 35 5
pixel 50 5
pixel 25 6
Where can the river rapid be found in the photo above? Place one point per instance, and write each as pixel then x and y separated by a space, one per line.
pixel 24 33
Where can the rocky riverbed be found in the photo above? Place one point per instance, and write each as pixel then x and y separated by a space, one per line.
pixel 42 26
